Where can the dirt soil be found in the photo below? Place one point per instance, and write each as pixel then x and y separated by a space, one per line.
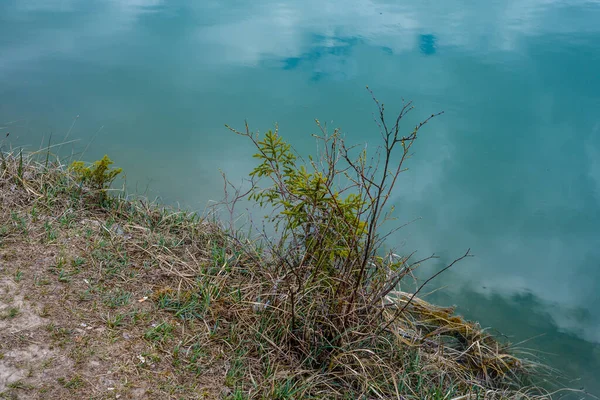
pixel 79 320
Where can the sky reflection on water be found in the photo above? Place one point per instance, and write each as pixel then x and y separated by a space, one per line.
pixel 511 170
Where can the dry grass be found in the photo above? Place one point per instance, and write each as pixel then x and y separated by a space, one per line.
pixel 131 300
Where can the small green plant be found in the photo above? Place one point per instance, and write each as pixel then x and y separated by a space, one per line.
pixel 140 316
pixel 117 298
pixel 50 231
pixel 64 276
pixel 238 394
pixel 12 313
pixel 57 332
pixel 66 219
pixel 184 305
pixel 115 321
pixel 18 276
pixel 287 389
pixel 19 221
pixel 60 270
pixel 34 214
pixel 77 262
pixel 73 383
pixel 41 281
pixel 19 385
pixel 160 333
pixel 237 369
pixel 45 311
pixel 197 354
pixel 98 176
pixel 111 262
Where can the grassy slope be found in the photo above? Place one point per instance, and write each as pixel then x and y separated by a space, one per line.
pixel 130 300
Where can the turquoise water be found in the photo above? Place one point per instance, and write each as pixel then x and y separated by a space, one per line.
pixel 511 170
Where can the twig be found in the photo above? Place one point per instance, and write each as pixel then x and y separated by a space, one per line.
pixel 400 311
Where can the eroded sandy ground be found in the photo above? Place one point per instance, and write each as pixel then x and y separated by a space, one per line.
pixel 67 332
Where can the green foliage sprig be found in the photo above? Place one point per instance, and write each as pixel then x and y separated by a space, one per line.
pixel 306 200
pixel 98 176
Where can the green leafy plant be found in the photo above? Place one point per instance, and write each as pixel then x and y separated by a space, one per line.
pixel 98 176
pixel 333 277
pixel 310 207
pixel 159 333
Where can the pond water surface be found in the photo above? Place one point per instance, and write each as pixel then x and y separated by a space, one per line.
pixel 511 170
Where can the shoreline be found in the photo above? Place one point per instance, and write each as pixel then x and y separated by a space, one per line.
pixel 106 297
